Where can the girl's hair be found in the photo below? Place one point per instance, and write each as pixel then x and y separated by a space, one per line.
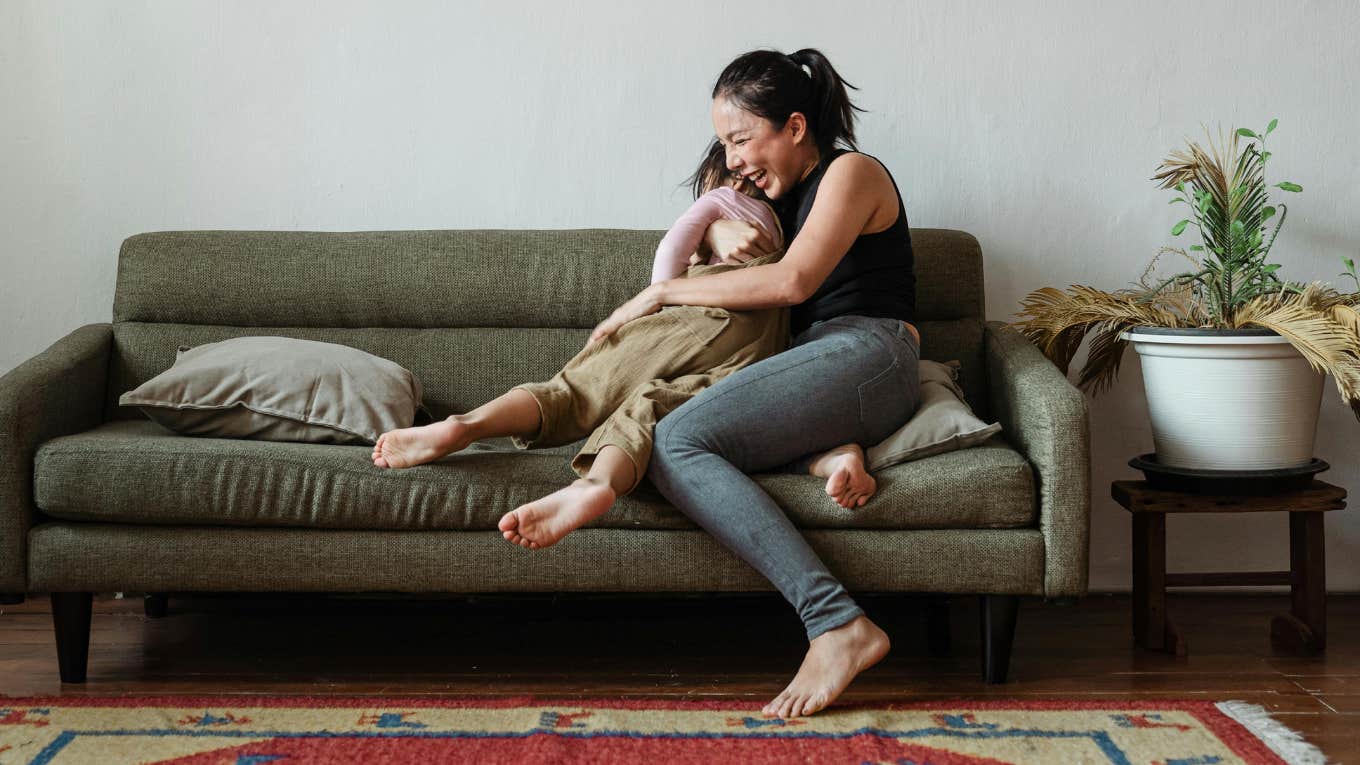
pixel 773 85
pixel 713 173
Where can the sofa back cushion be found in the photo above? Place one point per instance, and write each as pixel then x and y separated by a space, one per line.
pixel 470 312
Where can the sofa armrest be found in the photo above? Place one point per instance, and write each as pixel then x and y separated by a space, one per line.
pixel 1045 417
pixel 56 393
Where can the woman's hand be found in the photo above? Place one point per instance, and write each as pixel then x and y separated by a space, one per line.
pixel 737 241
pixel 645 302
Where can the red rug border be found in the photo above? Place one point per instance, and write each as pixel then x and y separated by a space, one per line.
pixel 1224 727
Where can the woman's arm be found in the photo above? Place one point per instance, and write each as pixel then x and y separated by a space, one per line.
pixel 854 189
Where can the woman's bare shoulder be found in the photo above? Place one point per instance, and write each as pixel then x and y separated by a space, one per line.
pixel 859 168
pixel 864 178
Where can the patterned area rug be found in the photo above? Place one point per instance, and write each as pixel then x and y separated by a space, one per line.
pixel 253 730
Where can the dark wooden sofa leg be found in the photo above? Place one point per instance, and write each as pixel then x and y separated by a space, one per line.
pixel 11 598
pixel 156 604
pixel 997 618
pixel 71 618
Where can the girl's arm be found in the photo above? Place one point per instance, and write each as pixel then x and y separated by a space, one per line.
pixel 683 239
pixel 853 190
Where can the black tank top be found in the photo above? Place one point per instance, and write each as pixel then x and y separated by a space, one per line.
pixel 876 277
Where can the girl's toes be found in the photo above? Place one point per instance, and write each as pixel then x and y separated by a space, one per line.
pixel 836 485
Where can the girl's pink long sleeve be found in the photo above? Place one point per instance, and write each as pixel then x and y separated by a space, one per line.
pixel 684 237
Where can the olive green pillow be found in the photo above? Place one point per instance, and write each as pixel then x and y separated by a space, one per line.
pixel 280 389
pixel 942 423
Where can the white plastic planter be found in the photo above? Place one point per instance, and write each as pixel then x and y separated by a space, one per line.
pixel 1241 399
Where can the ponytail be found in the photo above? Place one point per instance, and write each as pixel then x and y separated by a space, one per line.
pixel 772 85
pixel 834 112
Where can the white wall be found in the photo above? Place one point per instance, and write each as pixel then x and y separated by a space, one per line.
pixel 1035 126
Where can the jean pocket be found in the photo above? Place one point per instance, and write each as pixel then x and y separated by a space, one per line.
pixel 704 323
pixel 883 404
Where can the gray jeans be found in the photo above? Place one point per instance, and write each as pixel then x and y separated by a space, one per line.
pixel 849 378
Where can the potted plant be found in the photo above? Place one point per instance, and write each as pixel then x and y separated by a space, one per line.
pixel 1233 356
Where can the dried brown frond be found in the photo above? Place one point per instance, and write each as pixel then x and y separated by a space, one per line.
pixel 1330 346
pixel 1209 172
pixel 1152 265
pixel 1323 324
pixel 1103 358
pixel 1347 315
pixel 1057 321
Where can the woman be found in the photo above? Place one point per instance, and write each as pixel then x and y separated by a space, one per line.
pixel 848 277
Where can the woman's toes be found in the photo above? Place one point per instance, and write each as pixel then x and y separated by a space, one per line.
pixel 770 709
pixel 812 705
pixel 782 710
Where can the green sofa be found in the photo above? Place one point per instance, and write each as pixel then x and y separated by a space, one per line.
pixel 95 497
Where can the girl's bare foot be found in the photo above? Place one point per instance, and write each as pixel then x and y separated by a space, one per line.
pixel 405 447
pixel 833 659
pixel 847 481
pixel 545 521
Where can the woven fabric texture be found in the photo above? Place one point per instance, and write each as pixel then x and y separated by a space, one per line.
pixel 52 394
pixel 1046 418
pixel 139 472
pixel 78 557
pixel 441 278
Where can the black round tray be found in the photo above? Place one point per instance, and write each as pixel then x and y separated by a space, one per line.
pixel 1242 482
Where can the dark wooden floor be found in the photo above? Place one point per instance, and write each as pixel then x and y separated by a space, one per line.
pixel 741 647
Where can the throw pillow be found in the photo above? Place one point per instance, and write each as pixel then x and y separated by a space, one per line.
pixel 942 423
pixel 280 389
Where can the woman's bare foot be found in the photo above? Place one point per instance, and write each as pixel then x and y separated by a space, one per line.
pixel 405 447
pixel 545 521
pixel 847 481
pixel 833 659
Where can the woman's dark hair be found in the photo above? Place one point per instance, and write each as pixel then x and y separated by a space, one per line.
pixel 773 85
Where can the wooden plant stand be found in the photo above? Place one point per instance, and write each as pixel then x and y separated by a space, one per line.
pixel 1304 630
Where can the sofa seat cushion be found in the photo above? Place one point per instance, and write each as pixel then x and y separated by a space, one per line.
pixel 136 471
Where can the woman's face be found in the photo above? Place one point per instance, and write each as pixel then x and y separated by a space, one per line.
pixel 774 159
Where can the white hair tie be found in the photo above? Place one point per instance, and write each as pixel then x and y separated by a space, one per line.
pixel 806 70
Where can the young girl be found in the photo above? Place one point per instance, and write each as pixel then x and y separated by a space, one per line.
pixel 615 390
